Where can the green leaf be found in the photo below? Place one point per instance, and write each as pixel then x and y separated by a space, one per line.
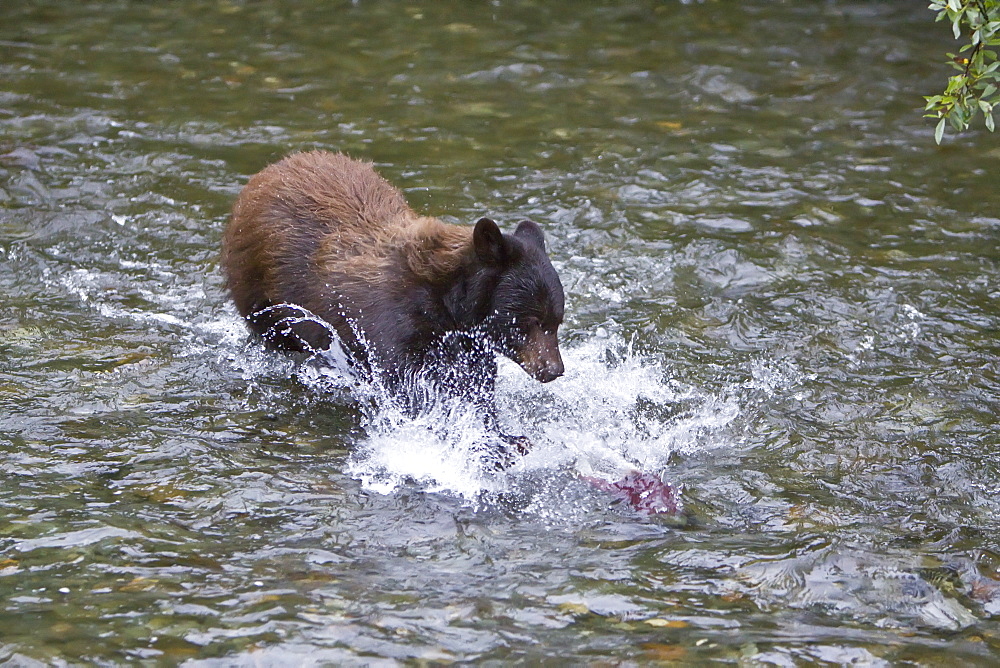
pixel 957 120
pixel 975 87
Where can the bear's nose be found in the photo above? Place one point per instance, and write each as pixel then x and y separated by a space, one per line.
pixel 547 376
pixel 551 370
pixel 540 356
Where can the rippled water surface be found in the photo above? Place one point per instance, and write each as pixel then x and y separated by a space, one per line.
pixel 781 296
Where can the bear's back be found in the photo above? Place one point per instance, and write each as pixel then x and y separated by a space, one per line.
pixel 334 193
pixel 328 233
pixel 294 215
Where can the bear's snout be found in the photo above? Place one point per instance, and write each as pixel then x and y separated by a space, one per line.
pixel 540 357
pixel 552 370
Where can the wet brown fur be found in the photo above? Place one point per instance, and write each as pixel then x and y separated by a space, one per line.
pixel 355 229
pixel 363 225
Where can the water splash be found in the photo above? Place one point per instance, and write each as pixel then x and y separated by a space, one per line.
pixel 615 413
pixel 614 410
pixel 618 415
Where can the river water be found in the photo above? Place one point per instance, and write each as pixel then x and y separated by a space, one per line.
pixel 782 297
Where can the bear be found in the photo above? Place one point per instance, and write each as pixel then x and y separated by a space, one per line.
pixel 319 243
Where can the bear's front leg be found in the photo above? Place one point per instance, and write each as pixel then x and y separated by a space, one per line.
pixel 511 447
pixel 466 367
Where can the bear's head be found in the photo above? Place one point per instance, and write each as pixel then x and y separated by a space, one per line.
pixel 516 297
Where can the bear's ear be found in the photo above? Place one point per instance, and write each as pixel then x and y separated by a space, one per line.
pixel 489 243
pixel 529 230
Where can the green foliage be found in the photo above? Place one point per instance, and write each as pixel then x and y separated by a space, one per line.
pixel 974 88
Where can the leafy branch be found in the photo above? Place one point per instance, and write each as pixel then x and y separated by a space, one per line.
pixel 974 88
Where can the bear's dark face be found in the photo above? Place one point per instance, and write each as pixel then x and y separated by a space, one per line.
pixel 523 310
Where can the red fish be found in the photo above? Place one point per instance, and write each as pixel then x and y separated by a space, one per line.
pixel 643 492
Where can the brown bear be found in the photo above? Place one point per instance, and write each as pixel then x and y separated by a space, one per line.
pixel 319 238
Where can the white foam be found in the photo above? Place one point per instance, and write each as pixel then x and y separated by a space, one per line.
pixel 606 414
pixel 614 411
